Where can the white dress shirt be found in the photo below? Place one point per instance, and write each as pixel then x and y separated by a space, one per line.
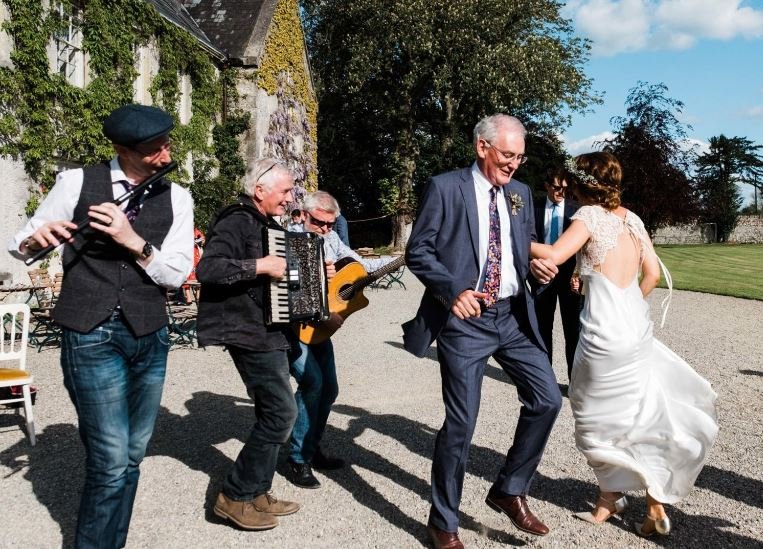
pixel 509 280
pixel 547 220
pixel 169 267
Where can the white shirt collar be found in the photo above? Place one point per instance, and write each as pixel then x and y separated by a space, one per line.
pixel 117 174
pixel 481 182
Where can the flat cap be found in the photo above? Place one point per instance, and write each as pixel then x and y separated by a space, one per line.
pixel 132 125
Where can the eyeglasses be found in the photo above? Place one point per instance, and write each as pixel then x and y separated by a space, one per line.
pixel 508 156
pixel 557 188
pixel 320 224
pixel 155 151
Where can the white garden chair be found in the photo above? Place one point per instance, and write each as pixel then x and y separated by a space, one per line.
pixel 14 335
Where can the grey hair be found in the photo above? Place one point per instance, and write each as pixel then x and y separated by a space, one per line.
pixel 263 171
pixel 488 127
pixel 321 200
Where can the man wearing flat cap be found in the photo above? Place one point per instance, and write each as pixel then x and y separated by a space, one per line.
pixel 112 305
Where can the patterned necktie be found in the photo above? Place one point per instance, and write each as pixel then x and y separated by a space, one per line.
pixel 554 232
pixel 133 206
pixel 493 264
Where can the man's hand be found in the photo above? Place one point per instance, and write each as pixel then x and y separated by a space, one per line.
pixel 330 269
pixel 334 322
pixel 109 219
pixel 543 270
pixel 272 265
pixel 576 284
pixel 467 304
pixel 53 233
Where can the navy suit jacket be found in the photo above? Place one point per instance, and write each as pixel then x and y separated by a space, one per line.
pixel 443 251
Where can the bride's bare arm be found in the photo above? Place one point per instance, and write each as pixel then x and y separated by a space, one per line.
pixel 650 271
pixel 568 244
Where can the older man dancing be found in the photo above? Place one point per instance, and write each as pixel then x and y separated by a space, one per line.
pixel 470 247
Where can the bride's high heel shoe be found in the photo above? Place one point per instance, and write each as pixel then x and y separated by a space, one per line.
pixel 661 526
pixel 612 506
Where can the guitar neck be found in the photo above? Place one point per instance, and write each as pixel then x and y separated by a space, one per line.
pixel 362 282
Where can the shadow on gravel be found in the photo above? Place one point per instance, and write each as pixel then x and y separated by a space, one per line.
pixel 419 439
pixel 567 493
pixel 212 419
pixel 751 372
pixel 55 469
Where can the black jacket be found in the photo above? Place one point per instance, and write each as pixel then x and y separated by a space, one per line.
pixel 231 305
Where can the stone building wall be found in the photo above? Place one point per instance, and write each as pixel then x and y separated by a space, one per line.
pixel 686 234
pixel 749 230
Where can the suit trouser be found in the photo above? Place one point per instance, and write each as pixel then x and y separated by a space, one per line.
pixel 463 349
pixel 570 305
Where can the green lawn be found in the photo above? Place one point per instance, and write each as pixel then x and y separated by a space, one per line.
pixel 735 270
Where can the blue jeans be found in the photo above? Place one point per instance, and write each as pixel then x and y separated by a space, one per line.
pixel 317 389
pixel 115 381
pixel 266 376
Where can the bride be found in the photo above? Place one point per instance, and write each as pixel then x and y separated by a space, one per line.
pixel 644 419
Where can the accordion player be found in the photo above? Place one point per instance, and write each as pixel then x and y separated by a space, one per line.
pixel 302 294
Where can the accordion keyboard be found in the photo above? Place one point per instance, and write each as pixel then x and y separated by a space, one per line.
pixel 301 295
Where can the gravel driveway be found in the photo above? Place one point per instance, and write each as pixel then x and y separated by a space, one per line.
pixel 384 424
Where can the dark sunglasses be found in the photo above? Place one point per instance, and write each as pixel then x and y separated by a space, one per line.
pixel 320 224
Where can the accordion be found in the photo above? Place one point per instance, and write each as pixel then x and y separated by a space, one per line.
pixel 302 294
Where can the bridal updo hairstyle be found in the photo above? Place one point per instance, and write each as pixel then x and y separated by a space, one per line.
pixel 602 186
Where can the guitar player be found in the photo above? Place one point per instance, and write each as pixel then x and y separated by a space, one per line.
pixel 312 365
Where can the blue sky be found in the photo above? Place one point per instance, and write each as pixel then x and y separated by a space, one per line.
pixel 709 53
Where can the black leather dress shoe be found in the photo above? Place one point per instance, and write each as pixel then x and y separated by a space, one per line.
pixel 515 507
pixel 326 463
pixel 443 540
pixel 301 474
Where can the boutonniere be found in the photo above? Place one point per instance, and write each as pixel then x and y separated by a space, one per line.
pixel 516 203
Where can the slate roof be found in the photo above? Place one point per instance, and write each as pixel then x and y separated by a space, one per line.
pixel 176 13
pixel 238 27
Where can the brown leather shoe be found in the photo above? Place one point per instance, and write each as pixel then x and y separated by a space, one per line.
pixel 267 503
pixel 515 507
pixel 442 539
pixel 243 513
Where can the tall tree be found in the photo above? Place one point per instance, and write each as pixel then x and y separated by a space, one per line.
pixel 401 84
pixel 650 143
pixel 730 160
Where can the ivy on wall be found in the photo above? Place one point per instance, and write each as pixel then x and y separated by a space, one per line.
pixel 283 73
pixel 44 119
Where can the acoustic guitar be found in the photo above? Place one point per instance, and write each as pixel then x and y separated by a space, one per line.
pixel 345 295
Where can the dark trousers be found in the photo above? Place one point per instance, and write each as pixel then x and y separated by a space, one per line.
pixel 463 349
pixel 570 305
pixel 266 376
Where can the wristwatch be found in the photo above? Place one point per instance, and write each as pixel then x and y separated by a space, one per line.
pixel 148 249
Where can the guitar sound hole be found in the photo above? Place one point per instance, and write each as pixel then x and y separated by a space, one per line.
pixel 346 292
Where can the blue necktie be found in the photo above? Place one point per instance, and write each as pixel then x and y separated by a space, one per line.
pixel 493 264
pixel 554 232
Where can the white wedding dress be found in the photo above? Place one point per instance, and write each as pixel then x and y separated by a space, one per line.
pixel 644 419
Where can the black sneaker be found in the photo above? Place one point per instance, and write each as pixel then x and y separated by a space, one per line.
pixel 326 463
pixel 301 474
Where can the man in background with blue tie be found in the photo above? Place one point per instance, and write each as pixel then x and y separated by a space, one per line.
pixel 552 217
pixel 470 248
